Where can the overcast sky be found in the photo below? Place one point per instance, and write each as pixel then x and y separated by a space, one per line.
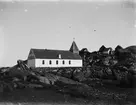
pixel 53 25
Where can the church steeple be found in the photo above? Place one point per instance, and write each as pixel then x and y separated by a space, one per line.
pixel 74 48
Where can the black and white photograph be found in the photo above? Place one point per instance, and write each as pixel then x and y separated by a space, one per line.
pixel 67 52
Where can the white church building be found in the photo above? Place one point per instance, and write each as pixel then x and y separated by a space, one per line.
pixel 55 58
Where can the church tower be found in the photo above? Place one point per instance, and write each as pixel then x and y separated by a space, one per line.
pixel 74 48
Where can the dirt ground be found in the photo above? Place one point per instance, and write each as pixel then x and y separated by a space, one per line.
pixel 49 97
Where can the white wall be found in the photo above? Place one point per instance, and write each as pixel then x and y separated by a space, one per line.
pixel 31 63
pixel 74 63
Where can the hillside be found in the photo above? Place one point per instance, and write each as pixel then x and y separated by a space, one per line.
pixel 107 75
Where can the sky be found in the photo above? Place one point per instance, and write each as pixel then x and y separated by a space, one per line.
pixel 52 24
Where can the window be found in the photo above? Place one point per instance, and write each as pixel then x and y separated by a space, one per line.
pixel 43 62
pixel 57 62
pixel 50 62
pixel 63 62
pixel 59 56
pixel 69 62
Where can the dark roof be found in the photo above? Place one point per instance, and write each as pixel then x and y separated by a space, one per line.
pixel 74 47
pixel 53 54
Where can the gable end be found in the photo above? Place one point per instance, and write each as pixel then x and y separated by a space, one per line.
pixel 31 55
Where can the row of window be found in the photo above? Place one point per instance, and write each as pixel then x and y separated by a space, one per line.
pixel 57 62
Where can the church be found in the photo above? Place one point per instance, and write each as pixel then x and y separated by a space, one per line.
pixel 55 58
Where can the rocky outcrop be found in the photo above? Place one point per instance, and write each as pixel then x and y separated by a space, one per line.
pixel 118 65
